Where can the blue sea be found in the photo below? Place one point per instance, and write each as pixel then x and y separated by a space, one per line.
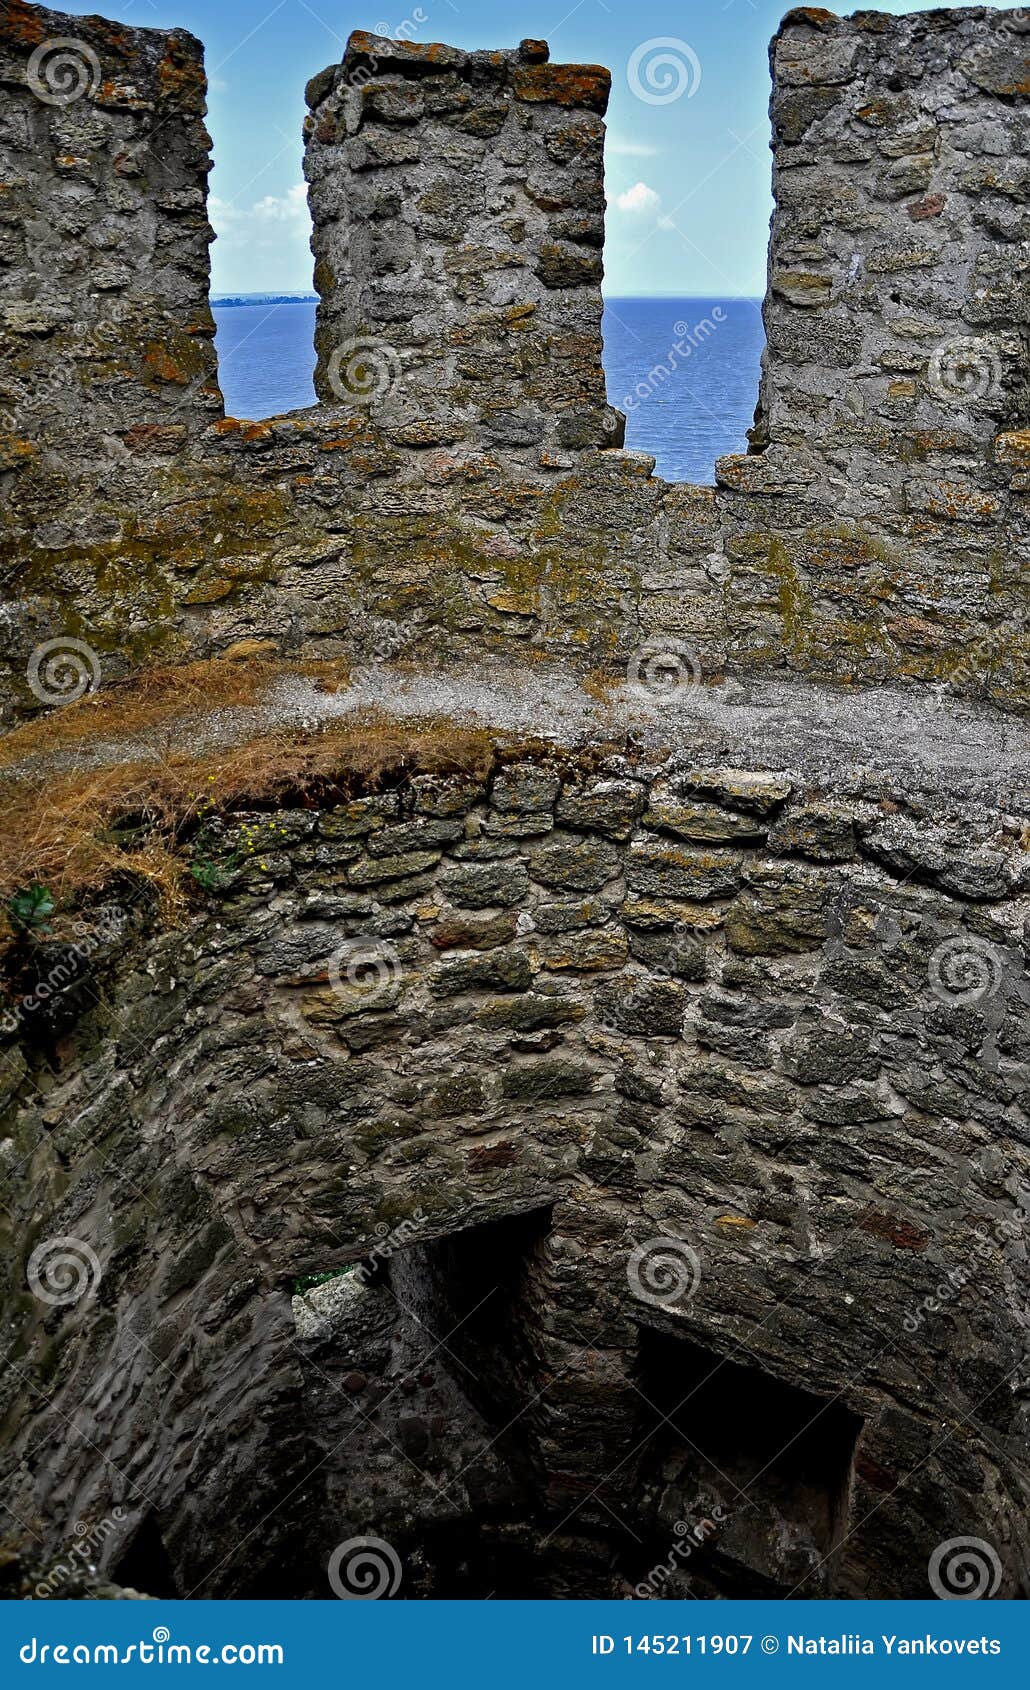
pixel 685 371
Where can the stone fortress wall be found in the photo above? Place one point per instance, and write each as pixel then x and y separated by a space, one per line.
pixel 645 1054
pixel 705 1065
pixel 872 532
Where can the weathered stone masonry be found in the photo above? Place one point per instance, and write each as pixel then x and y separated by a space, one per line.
pixel 652 1001
pixel 468 484
pixel 484 1041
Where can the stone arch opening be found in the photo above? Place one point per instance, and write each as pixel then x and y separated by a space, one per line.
pixel 145 1564
pixel 749 1473
pixel 424 1357
pixel 685 374
pixel 265 356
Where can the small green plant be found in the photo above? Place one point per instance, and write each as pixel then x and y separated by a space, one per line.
pixel 29 908
pixel 213 867
pixel 212 876
pixel 308 1281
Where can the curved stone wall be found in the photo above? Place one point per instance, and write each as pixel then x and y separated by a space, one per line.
pixel 651 1105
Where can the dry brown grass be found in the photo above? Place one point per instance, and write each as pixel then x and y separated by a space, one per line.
pixel 156 697
pixel 602 684
pixel 59 830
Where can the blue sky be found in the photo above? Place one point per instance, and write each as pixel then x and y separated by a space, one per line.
pixel 687 178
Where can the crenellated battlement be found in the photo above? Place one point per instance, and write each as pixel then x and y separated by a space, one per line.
pixel 461 479
pixel 608 1018
pixel 458 207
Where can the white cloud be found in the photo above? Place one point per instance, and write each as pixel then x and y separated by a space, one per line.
pixel 264 246
pixel 616 146
pixel 266 218
pixel 639 198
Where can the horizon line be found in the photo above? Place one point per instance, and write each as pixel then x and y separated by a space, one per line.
pixel 303 295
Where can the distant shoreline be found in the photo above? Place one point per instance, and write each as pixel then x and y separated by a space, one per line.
pixel 614 298
pixel 264 299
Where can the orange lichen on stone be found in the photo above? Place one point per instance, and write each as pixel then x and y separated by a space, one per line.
pixel 956 502
pixel 161 364
pixel 433 53
pixel 15 452
pixel 1013 447
pixel 180 78
pixel 122 96
pixel 22 24
pixel 564 85
pixel 817 16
